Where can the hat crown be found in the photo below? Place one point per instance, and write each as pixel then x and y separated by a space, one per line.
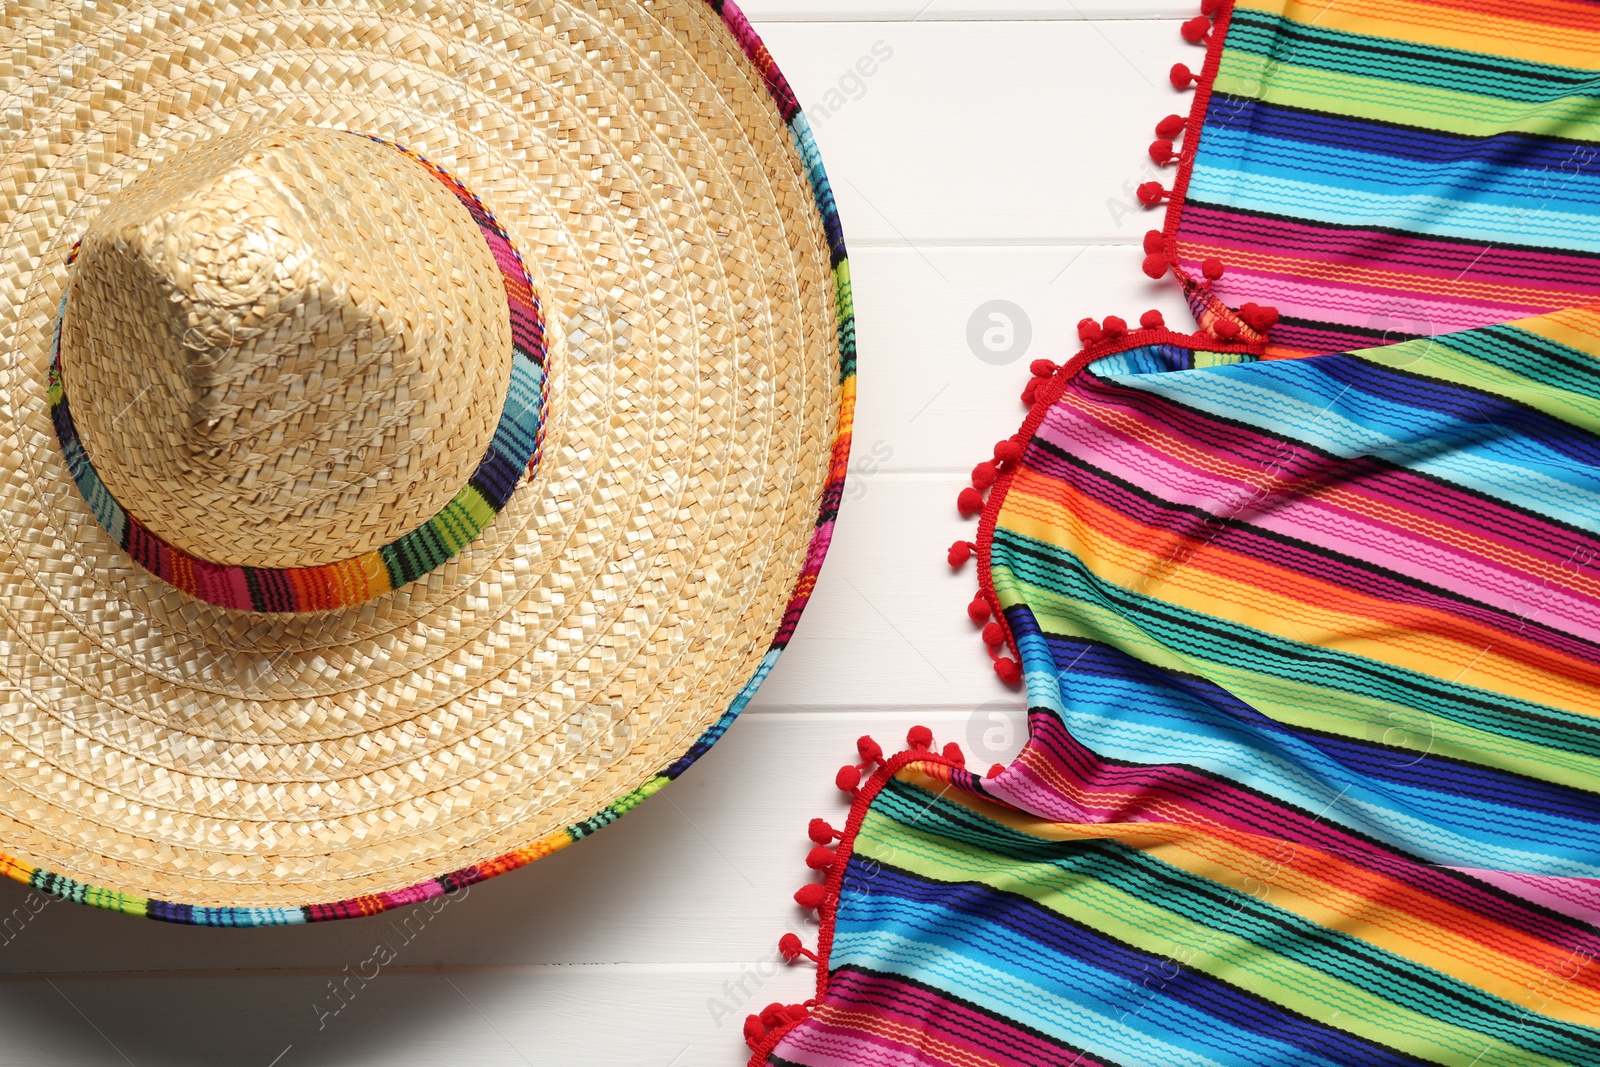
pixel 285 348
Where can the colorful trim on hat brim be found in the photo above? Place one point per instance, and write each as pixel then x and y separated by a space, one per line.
pixel 67 889
pixel 513 451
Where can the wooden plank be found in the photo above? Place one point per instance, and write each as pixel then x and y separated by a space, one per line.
pixel 523 1017
pixel 979 133
pixel 941 375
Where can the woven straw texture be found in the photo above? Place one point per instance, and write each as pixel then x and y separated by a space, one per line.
pixel 226 767
pixel 286 348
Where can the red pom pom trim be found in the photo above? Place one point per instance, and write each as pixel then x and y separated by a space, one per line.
pixel 811 895
pixel 1194 31
pixel 1151 193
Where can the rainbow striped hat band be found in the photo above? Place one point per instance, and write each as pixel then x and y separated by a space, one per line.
pixel 372 524
pixel 513 454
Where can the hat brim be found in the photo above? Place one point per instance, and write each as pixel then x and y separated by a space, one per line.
pixel 166 757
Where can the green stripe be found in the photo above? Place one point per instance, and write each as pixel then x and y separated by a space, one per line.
pixel 1294 682
pixel 1384 100
pixel 1535 371
pixel 1234 936
pixel 1285 41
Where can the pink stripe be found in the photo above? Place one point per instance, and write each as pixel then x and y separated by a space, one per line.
pixel 1206 801
pixel 1573 276
pixel 1364 306
pixel 1323 525
pixel 1577 897
pixel 819 1045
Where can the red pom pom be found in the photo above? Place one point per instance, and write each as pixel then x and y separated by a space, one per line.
pixel 789 948
pixel 1225 329
pixel 953 753
pixel 1155 264
pixel 1212 268
pixel 1170 126
pixel 978 610
pixel 984 474
pixel 1150 194
pixel 1161 151
pixel 820 832
pixel 1154 241
pixel 847 779
pixel 969 501
pixel 1007 451
pixel 811 895
pixel 1194 31
pixel 1030 392
pixel 1152 320
pixel 868 749
pixel 820 858
pixel 1041 368
pixel 1115 326
pixel 1210 7
pixel 1088 331
pixel 1009 670
pixel 1260 318
pixel 754 1031
pixel 959 553
pixel 994 635
pixel 920 738
pixel 995 770
pixel 1181 76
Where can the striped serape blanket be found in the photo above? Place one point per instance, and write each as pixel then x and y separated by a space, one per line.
pixel 1306 603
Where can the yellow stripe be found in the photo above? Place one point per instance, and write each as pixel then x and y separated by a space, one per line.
pixel 1278 879
pixel 1183 577
pixel 1303 704
pixel 1226 957
pixel 1438 26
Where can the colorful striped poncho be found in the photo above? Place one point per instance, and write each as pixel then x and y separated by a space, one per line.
pixel 1307 604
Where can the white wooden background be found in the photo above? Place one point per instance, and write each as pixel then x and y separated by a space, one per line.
pixel 993 155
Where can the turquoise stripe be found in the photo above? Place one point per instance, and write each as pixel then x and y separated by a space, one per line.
pixel 1294 399
pixel 1538 221
pixel 1122 720
pixel 1072 1003
pixel 1203 638
pixel 1475 182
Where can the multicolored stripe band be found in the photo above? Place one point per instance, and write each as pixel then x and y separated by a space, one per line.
pixel 66 888
pixel 513 451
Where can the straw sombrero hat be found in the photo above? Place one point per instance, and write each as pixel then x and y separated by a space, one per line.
pixel 424 423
